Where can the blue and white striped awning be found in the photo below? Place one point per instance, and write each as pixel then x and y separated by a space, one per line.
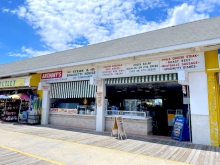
pixel 73 89
pixel 143 79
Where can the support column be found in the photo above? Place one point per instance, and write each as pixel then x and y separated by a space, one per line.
pixel 45 108
pixel 199 108
pixel 213 100
pixel 100 114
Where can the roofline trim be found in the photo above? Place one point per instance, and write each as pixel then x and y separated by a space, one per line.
pixel 182 46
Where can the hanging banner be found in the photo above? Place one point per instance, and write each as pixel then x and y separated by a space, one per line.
pixel 142 67
pixel 12 83
pixel 183 62
pixel 99 99
pixel 79 74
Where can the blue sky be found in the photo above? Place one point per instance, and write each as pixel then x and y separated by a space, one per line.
pixel 29 28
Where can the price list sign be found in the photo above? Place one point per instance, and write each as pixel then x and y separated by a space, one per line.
pixel 183 62
pixel 141 67
pixel 112 70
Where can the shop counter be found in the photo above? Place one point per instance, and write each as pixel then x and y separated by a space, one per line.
pixel 77 121
pixel 142 126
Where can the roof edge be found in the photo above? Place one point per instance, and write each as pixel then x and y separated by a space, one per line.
pixel 164 49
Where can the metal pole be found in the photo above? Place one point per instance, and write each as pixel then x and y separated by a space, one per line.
pixel 189 114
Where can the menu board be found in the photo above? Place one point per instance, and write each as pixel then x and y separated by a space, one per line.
pixel 183 62
pixel 142 67
pixel 79 74
pixel 112 70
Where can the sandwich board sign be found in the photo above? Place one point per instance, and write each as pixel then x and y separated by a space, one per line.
pixel 118 128
pixel 180 130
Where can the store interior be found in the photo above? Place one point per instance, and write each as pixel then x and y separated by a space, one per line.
pixel 156 99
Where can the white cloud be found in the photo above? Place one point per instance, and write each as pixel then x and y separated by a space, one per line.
pixel 5 10
pixel 29 52
pixel 207 5
pixel 71 23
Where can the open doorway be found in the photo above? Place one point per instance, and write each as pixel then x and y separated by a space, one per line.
pixel 158 100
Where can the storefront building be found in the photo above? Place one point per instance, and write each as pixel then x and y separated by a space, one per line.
pixel 143 90
pixel 148 79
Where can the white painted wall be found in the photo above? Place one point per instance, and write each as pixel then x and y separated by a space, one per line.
pixel 199 108
pixel 45 108
pixel 198 93
pixel 100 114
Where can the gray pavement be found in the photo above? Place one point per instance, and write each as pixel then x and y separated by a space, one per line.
pixel 59 145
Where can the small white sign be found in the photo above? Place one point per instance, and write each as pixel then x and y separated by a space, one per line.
pixel 95 81
pixel 183 78
pixel 43 86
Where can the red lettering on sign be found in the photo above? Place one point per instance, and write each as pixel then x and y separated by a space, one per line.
pixel 51 75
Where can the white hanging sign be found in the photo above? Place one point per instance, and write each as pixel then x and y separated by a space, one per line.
pixel 183 77
pixel 44 86
pixel 95 81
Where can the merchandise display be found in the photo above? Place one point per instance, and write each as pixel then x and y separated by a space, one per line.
pixel 22 108
pixel 9 108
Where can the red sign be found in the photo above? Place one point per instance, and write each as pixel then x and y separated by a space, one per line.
pixel 51 75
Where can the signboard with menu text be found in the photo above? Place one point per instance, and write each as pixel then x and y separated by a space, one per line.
pixel 80 73
pixel 183 62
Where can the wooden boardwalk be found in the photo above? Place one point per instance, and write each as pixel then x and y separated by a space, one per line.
pixel 10 157
pixel 165 149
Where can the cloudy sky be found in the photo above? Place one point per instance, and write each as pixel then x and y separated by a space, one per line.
pixel 30 28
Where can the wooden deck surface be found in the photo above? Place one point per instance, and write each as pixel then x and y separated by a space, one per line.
pixel 184 152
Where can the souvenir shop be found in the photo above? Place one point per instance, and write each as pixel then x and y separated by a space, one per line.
pixel 72 103
pixel 19 100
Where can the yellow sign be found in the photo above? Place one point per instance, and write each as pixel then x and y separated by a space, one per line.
pixel 12 83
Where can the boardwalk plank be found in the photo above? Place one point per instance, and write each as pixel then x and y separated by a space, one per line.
pixel 196 155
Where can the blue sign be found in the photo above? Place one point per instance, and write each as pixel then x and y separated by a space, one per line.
pixel 180 129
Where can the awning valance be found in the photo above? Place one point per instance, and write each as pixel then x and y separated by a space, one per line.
pixel 143 79
pixel 73 89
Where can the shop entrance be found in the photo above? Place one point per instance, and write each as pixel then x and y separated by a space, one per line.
pixel 157 100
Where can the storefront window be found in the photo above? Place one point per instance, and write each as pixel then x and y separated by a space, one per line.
pixel 76 106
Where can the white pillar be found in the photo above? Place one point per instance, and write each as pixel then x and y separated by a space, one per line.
pixel 45 108
pixel 100 114
pixel 199 108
